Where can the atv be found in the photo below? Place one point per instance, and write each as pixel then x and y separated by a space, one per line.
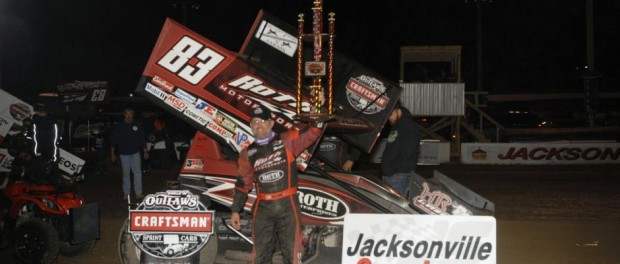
pixel 44 220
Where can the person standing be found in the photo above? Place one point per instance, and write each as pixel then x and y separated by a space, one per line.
pixel 337 153
pixel 128 141
pixel 400 156
pixel 45 140
pixel 269 164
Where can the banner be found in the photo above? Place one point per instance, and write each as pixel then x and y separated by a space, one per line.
pixel 541 153
pixel 359 93
pixel 423 239
pixel 213 89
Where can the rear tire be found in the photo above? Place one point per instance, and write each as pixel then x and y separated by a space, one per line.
pixel 35 241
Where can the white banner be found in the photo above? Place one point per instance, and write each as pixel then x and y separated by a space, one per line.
pixel 543 153
pixel 5 160
pixel 423 239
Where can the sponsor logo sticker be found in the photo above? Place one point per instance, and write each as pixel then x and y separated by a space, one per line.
pixel 365 93
pixel 319 204
pixel 163 83
pixel 171 225
pixel 277 38
pixel 271 176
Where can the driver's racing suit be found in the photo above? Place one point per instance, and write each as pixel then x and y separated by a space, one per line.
pixel 272 167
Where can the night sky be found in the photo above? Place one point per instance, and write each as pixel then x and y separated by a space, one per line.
pixel 528 46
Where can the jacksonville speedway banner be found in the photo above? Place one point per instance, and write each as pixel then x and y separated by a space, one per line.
pixel 419 239
pixel 212 88
pixel 542 153
pixel 358 92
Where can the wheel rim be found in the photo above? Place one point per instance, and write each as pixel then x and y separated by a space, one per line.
pixel 31 245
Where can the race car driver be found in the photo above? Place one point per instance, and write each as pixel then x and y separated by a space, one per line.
pixel 269 163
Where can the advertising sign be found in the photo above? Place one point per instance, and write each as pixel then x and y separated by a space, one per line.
pixel 542 153
pixel 423 239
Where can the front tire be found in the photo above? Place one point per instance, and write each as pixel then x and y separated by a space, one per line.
pixel 35 241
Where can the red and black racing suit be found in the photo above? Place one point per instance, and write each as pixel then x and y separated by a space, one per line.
pixel 272 167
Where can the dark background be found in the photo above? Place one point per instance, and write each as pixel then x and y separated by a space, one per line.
pixel 528 46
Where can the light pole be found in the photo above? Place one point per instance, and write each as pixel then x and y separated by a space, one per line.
pixel 479 40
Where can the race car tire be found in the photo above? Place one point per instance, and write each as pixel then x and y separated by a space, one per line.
pixel 35 241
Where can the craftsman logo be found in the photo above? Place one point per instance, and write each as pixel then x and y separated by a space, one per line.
pixel 319 204
pixel 20 111
pixel 171 225
pixel 366 94
pixel 327 146
pixel 271 176
pixel 176 103
pixel 277 38
pixel 161 82
pixel 152 89
pixel 191 60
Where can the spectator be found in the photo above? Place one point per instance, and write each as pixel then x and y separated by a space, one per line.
pixel 128 140
pixel 400 156
pixel 337 153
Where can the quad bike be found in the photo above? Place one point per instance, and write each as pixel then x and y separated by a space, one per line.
pixel 44 220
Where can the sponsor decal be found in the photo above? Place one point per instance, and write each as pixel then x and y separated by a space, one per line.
pixel 271 176
pixel 98 95
pixel 19 111
pixel 252 91
pixel 163 83
pixel 319 204
pixel 185 95
pixel 197 116
pixel 171 225
pixel 242 139
pixel 194 164
pixel 152 89
pixel 176 103
pixel 70 163
pixel 207 108
pixel 367 93
pixel 219 130
pixel 277 38
pixel 190 60
pixel 327 146
pixel 438 203
pixel 221 120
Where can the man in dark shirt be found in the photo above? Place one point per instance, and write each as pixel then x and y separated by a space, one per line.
pixel 400 156
pixel 269 164
pixel 338 154
pixel 128 141
pixel 45 140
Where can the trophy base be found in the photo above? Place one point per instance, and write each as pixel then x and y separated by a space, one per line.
pixel 314 118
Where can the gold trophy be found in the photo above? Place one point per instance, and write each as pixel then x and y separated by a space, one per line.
pixel 316 69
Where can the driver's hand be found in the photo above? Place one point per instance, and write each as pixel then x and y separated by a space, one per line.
pixel 347 165
pixel 235 221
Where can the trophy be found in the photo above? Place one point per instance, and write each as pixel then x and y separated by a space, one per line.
pixel 319 72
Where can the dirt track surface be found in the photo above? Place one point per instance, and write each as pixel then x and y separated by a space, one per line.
pixel 545 214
